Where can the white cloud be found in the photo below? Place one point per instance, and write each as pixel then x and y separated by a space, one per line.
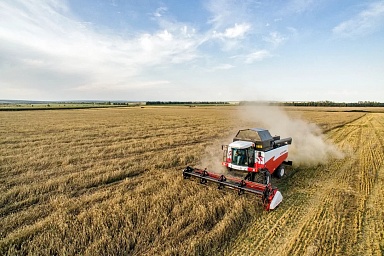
pixel 225 66
pixel 257 56
pixel 365 22
pixel 275 38
pixel 122 86
pixel 232 36
pixel 221 12
pixel 44 42
pixel 293 31
pixel 227 12
pixel 299 6
pixel 159 11
pixel 237 31
pixel 165 35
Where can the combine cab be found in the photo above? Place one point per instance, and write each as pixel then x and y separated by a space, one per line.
pixel 257 153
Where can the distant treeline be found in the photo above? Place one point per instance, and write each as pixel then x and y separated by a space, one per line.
pixel 186 103
pixel 317 103
pixel 288 103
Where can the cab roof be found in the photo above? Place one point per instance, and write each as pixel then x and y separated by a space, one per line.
pixel 241 144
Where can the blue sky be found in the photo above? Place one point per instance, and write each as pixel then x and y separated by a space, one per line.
pixel 219 50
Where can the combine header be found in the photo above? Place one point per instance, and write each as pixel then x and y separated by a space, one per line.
pixel 271 197
pixel 259 154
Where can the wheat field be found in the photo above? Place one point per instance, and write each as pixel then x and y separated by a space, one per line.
pixel 109 182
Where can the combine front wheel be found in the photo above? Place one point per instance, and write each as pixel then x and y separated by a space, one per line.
pixel 267 177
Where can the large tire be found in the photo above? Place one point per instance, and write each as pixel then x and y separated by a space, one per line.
pixel 262 177
pixel 279 172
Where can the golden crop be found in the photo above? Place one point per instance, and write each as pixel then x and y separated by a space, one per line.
pixel 109 182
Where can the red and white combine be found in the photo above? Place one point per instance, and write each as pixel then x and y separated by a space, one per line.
pixel 259 154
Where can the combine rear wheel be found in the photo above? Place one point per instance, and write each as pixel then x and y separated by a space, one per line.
pixel 279 172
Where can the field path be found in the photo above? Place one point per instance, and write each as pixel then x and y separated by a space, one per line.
pixel 332 209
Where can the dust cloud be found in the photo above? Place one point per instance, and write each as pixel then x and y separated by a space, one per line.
pixel 309 146
pixel 214 155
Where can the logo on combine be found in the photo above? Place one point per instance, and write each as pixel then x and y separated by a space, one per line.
pixel 260 159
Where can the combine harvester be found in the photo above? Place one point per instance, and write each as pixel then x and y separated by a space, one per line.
pixel 259 154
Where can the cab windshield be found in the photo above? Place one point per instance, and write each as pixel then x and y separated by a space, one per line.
pixel 243 157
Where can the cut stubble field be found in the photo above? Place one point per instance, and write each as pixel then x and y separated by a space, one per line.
pixel 108 182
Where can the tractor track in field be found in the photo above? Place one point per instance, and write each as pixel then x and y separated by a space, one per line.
pixel 344 124
pixel 371 232
pixel 332 209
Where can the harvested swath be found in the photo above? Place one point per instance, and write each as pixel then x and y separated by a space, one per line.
pixel 332 209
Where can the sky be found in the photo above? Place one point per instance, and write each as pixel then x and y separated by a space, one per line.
pixel 203 50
